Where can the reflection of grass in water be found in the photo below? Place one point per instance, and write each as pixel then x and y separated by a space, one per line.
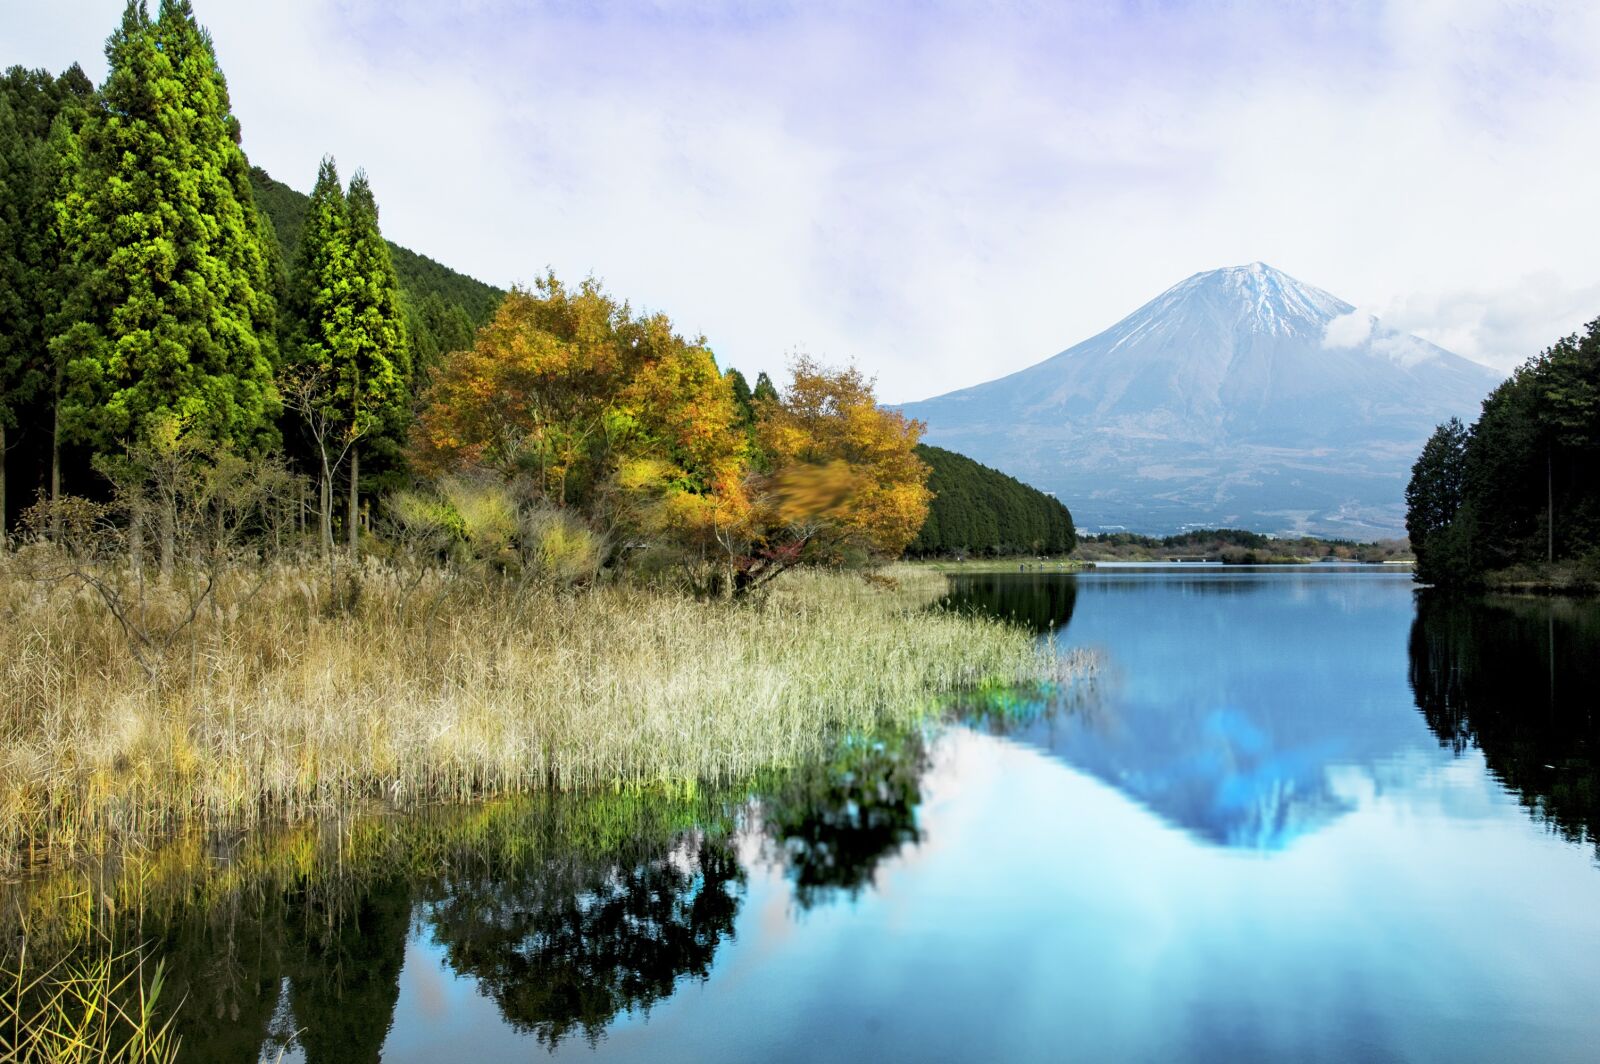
pixel 1005 707
pixel 300 900
pixel 450 690
pixel 635 704
pixel 199 871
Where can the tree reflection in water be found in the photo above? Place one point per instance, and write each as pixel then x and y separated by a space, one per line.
pixel 565 949
pixel 1520 680
pixel 1041 601
pixel 835 821
pixel 567 911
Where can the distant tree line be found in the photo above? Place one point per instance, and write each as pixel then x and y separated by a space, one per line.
pixel 1520 488
pixel 980 512
pixel 1237 546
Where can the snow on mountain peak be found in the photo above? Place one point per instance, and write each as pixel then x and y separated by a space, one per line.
pixel 1255 298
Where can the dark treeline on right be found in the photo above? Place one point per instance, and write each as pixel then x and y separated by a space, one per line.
pixel 1516 497
pixel 978 511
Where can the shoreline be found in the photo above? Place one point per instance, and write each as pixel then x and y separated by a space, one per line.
pixel 439 689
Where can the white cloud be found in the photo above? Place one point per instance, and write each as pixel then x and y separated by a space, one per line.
pixel 1501 327
pixel 943 194
pixel 1348 330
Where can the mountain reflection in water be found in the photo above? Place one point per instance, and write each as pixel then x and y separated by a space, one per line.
pixel 1238 726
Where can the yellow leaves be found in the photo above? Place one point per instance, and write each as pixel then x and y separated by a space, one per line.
pixel 803 493
pixel 571 388
pixel 838 455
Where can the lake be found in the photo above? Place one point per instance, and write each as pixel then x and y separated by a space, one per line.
pixel 1301 813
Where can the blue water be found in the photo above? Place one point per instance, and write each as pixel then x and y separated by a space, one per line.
pixel 1299 816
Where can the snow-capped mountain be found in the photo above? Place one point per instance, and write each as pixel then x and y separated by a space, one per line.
pixel 1240 397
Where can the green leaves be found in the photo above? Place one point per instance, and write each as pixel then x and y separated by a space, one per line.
pixel 172 305
pixel 1434 495
pixel 348 319
pixel 1519 488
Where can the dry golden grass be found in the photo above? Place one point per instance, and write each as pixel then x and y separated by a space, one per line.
pixel 436 687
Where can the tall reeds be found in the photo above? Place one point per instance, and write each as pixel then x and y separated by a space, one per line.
pixel 430 685
pixel 97 1006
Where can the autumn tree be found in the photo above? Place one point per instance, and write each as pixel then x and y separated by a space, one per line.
pixel 845 481
pixel 597 409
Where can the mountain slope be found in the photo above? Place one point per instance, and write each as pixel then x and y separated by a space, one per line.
pixel 1240 397
pixel 420 276
pixel 981 511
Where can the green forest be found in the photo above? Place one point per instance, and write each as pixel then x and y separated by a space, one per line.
pixel 980 512
pixel 1514 499
pixel 148 275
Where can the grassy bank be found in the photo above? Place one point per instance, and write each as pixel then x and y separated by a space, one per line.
pixel 436 687
pixel 1577 578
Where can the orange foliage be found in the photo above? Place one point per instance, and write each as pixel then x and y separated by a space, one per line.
pixel 840 458
pixel 600 409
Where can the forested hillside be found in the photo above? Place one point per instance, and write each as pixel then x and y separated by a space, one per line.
pixel 443 307
pixel 981 511
pixel 1517 495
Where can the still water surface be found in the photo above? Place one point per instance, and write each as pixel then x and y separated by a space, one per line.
pixel 1304 814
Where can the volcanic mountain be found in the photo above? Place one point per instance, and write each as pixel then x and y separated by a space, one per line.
pixel 1240 397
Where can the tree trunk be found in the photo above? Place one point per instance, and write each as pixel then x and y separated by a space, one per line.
pixel 136 537
pixel 325 509
pixel 3 526
pixel 1550 506
pixel 169 535
pixel 355 488
pixel 55 466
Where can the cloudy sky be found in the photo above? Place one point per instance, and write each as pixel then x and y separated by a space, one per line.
pixel 942 192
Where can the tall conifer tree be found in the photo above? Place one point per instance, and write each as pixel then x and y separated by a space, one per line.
pixel 175 313
pixel 319 310
pixel 373 378
pixel 31 103
pixel 350 330
pixel 19 371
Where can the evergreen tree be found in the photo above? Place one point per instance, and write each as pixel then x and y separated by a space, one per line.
pixel 350 342
pixel 20 373
pixel 173 306
pixel 436 327
pixel 1434 495
pixel 373 378
pixel 765 391
pixel 1526 490
pixel 981 511
pixel 741 397
pixel 31 103
pixel 58 290
pixel 319 307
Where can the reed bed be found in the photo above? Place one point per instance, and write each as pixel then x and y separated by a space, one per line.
pixel 97 1007
pixel 431 686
